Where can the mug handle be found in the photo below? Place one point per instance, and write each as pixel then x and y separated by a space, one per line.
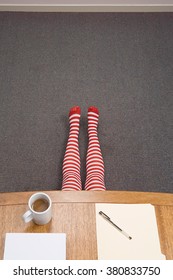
pixel 27 217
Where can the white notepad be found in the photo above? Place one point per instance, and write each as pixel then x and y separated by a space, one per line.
pixel 35 246
pixel 139 221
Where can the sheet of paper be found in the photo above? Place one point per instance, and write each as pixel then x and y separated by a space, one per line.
pixel 139 221
pixel 35 246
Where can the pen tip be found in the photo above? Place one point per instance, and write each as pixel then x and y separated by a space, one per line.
pixel 130 237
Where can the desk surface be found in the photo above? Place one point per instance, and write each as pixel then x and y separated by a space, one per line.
pixel 74 214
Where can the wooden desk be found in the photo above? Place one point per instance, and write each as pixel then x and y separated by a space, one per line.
pixel 74 214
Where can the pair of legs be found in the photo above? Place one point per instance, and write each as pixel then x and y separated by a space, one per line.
pixel 94 159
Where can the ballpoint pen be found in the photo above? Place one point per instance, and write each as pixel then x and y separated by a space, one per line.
pixel 118 228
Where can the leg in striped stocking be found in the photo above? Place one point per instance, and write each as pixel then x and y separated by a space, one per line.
pixel 71 163
pixel 94 161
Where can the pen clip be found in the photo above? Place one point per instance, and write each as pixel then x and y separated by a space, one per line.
pixel 104 215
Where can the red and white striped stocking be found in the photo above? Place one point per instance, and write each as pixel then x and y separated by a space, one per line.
pixel 71 163
pixel 94 160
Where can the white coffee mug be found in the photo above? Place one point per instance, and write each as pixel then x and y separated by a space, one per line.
pixel 40 209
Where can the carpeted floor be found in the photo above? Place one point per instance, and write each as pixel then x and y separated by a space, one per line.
pixel 120 62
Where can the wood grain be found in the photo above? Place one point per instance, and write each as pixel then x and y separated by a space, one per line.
pixel 76 220
pixel 16 198
pixel 74 214
pixel 164 215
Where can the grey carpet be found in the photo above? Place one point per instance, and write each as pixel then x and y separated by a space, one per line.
pixel 120 62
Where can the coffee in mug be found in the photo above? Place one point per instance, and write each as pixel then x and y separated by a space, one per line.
pixel 40 209
pixel 40 205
